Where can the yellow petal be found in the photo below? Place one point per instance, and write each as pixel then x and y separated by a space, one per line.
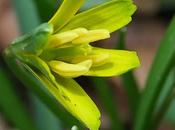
pixel 119 62
pixel 75 100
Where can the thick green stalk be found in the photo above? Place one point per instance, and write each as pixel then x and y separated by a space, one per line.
pixel 162 65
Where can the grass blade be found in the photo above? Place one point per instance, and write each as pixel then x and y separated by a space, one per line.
pixel 11 105
pixel 161 66
pixel 170 114
pixel 165 99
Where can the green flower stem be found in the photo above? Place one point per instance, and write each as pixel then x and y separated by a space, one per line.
pixel 11 105
pixel 162 64
pixel 67 10
pixel 105 94
pixel 129 81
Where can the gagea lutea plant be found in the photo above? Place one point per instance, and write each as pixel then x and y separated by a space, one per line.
pixel 62 49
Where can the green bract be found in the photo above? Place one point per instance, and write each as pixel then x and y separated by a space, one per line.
pixel 60 50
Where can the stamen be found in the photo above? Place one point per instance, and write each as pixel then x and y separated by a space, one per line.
pixel 92 36
pixel 80 31
pixel 99 59
pixel 70 70
pixel 62 38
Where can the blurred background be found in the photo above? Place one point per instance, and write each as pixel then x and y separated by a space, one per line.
pixel 144 35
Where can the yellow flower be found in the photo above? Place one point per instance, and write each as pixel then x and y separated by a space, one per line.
pixel 61 49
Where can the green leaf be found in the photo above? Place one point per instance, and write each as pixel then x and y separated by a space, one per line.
pixel 162 65
pixel 46 8
pixel 11 105
pixel 170 114
pixel 111 16
pixel 26 14
pixel 75 100
pixel 165 99
pixel 66 11
pixel 43 116
pixel 118 63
